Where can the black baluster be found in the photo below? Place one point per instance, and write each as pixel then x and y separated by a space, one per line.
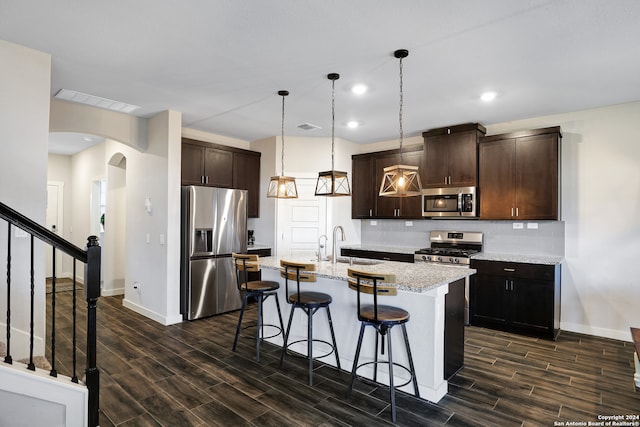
pixel 53 371
pixel 7 358
pixel 74 352
pixel 31 366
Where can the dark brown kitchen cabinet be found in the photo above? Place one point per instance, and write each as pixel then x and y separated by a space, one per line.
pixel 516 297
pixel 217 165
pixel 202 165
pixel 367 172
pixel 370 254
pixel 246 176
pixel 451 156
pixel 363 198
pixel 519 175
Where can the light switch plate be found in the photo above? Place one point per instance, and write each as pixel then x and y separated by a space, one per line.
pixel 408 223
pixel 518 226
pixel 374 223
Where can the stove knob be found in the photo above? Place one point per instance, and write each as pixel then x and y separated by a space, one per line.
pixel 427 258
pixel 439 259
pixel 452 260
pixel 456 260
pixel 424 257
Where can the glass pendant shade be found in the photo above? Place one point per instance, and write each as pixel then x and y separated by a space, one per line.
pixel 333 183
pixel 401 181
pixel 283 187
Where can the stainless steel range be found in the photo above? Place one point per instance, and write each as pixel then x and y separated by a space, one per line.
pixel 453 248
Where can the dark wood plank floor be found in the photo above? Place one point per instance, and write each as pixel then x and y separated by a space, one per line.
pixel 186 374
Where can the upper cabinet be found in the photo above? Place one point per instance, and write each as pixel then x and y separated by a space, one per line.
pixel 216 165
pixel 204 164
pixel 367 171
pixel 519 175
pixel 451 156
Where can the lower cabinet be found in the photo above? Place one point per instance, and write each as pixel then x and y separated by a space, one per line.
pixel 385 256
pixel 516 297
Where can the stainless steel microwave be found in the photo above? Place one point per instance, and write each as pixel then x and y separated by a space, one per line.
pixel 450 202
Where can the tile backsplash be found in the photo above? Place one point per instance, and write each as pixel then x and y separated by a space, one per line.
pixel 499 236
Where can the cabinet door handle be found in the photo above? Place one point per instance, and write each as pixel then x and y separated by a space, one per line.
pixel 511 211
pixel 509 269
pixel 370 212
pixel 506 285
pixel 445 180
pixel 449 179
pixel 516 211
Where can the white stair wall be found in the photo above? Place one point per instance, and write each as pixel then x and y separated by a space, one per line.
pixel 30 398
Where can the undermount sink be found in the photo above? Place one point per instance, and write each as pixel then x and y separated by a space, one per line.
pixel 355 261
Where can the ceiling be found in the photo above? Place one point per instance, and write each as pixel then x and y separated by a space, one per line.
pixel 221 62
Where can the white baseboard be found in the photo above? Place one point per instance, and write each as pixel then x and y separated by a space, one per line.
pixel 20 343
pixel 111 292
pixel 598 332
pixel 165 320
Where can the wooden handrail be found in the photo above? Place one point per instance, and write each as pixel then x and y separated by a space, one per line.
pixel 37 230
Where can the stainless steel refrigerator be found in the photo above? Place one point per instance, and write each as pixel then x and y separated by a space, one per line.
pixel 214 225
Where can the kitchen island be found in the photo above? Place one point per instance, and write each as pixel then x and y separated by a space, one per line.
pixel 422 290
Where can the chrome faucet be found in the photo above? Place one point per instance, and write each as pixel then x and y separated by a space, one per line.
pixel 321 246
pixel 334 255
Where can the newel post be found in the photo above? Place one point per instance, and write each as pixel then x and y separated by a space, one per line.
pixel 92 293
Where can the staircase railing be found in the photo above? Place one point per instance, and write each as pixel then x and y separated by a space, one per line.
pixel 90 257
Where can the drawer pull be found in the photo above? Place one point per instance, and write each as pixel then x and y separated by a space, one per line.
pixel 511 270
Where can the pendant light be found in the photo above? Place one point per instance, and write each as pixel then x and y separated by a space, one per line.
pixel 401 180
pixel 282 187
pixel 333 183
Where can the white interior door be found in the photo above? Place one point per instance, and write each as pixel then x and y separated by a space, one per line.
pixel 54 223
pixel 301 221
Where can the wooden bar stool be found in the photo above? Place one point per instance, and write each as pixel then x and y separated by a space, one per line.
pixel 382 318
pixel 310 303
pixel 260 290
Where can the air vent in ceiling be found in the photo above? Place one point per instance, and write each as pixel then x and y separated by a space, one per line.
pixel 96 101
pixel 308 126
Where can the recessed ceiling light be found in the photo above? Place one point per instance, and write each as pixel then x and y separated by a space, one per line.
pixel 353 124
pixel 359 89
pixel 488 96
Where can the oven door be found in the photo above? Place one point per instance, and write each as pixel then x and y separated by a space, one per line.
pixel 450 202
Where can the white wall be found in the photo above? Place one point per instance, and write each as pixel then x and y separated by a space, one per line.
pixel 24 129
pixel 265 225
pixel 59 169
pixel 600 208
pixel 153 238
pixel 153 172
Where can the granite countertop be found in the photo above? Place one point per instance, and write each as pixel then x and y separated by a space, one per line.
pixel 258 246
pixel 410 277
pixel 380 248
pixel 527 259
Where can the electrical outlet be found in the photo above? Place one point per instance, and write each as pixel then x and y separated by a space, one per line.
pixel 532 225
pixel 518 226
pixel 374 223
pixel 408 223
